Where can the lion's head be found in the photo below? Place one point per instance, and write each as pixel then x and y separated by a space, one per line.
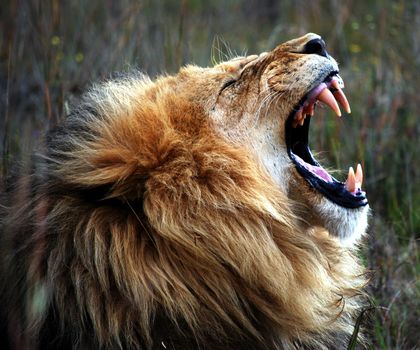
pixel 190 211
pixel 264 103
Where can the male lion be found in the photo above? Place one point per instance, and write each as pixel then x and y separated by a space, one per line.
pixel 188 213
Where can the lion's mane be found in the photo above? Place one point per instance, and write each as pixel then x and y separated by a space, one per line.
pixel 141 227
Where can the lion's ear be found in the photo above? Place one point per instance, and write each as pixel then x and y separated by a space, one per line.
pixel 236 64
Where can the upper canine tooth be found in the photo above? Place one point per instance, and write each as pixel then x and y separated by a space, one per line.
pixel 334 84
pixel 341 98
pixel 327 97
pixel 337 82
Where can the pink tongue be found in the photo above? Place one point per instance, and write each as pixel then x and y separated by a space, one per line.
pixel 317 170
pixel 321 172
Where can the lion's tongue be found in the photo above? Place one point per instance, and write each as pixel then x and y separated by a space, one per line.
pixel 354 180
pixel 317 170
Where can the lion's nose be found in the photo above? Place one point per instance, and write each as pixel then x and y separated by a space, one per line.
pixel 316 46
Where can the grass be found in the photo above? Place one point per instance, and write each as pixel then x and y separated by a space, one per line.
pixel 51 50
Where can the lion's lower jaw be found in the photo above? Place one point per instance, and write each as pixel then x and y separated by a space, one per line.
pixel 349 225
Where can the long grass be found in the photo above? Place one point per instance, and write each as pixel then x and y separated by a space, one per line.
pixel 51 50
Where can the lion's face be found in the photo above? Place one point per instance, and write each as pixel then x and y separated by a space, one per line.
pixel 265 103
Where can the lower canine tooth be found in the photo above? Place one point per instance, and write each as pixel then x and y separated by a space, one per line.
pixel 359 175
pixel 351 181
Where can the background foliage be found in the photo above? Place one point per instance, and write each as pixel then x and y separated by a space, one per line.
pixel 51 50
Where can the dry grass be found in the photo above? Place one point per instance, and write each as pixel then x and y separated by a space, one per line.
pixel 51 50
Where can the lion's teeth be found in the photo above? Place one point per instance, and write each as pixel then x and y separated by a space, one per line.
pixel 342 100
pixel 338 84
pixel 359 175
pixel 327 97
pixel 302 121
pixel 299 118
pixel 309 109
pixel 351 181
pixel 354 181
pixel 298 115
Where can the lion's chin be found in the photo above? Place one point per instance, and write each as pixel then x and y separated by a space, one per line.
pixel 348 225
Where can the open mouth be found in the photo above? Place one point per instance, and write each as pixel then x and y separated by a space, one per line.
pixel 348 194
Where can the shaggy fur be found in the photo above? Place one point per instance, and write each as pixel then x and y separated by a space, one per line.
pixel 166 215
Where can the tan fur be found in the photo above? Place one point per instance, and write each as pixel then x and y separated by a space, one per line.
pixel 165 200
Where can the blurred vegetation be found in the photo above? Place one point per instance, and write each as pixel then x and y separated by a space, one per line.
pixel 51 50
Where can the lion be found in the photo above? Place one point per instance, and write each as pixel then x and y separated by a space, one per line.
pixel 188 212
